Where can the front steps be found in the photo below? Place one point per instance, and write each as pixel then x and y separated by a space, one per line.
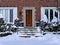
pixel 28 32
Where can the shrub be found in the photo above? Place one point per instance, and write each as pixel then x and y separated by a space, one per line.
pixel 5 34
pixel 14 29
pixel 1 23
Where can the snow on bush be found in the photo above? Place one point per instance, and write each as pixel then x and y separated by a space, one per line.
pixel 54 21
pixel 44 18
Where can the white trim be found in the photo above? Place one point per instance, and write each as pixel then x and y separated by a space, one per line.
pixel 33 15
pixel 7 7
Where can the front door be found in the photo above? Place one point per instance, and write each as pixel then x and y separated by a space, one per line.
pixel 28 18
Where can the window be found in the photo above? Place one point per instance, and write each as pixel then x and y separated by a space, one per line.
pixel 11 15
pixel 6 15
pixel 1 13
pixel 50 12
pixel 56 14
pixel 46 12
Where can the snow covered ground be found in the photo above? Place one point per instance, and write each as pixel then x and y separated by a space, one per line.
pixel 48 39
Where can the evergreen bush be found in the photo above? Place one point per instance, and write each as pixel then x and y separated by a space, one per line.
pixel 1 23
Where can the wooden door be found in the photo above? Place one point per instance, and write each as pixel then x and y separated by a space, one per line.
pixel 28 18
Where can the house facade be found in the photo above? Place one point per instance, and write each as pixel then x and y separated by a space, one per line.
pixel 29 11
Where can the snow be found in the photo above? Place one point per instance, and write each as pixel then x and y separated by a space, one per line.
pixel 53 22
pixel 6 32
pixel 38 29
pixel 54 19
pixel 1 16
pixel 13 26
pixel 44 18
pixel 48 39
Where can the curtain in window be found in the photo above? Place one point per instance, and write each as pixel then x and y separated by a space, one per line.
pixel 1 13
pixel 56 14
pixel 11 15
pixel 6 15
pixel 51 14
pixel 46 12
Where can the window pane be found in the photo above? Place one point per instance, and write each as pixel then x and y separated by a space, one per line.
pixel 51 14
pixel 56 14
pixel 6 15
pixel 46 12
pixel 11 15
pixel 1 13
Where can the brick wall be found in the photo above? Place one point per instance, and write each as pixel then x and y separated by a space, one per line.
pixel 29 3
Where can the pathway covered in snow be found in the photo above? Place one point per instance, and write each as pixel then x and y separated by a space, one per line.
pixel 48 39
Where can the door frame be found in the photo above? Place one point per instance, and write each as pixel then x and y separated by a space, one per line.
pixel 33 15
pixel 28 15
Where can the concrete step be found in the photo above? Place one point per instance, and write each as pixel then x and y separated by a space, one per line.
pixel 25 36
pixel 28 31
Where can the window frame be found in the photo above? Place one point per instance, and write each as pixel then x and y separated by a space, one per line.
pixel 4 13
pixel 54 9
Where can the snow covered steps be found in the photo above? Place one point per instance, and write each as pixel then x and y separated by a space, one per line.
pixel 28 32
pixel 25 36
